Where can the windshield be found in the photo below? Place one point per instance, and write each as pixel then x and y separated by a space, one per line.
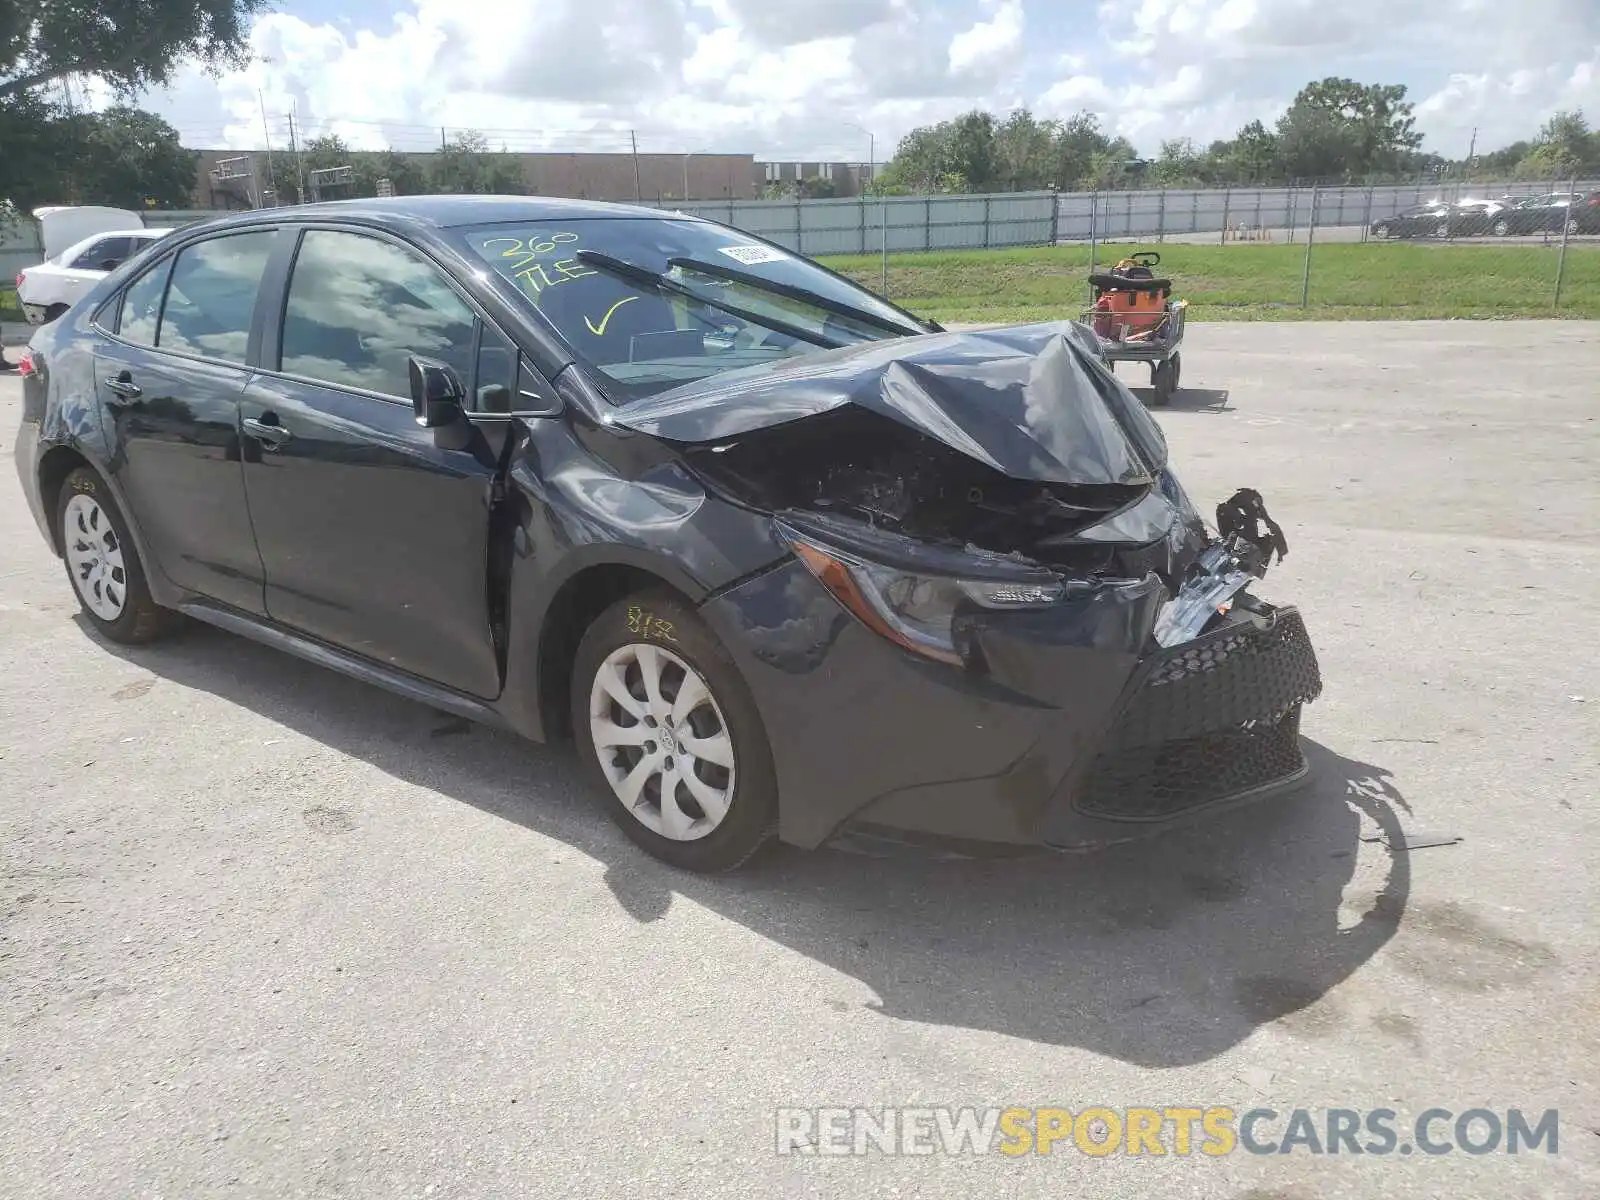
pixel 654 303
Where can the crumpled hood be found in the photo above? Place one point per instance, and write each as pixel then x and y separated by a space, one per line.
pixel 1031 402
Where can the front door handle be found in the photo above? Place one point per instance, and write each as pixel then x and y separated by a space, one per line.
pixel 269 433
pixel 124 388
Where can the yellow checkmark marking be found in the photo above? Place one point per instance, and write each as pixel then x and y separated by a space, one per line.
pixel 606 320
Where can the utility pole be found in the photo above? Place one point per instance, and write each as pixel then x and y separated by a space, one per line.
pixel 633 138
pixel 1472 150
pixel 266 134
pixel 883 207
pixel 299 163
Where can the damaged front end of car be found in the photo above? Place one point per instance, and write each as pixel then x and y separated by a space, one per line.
pixel 1003 620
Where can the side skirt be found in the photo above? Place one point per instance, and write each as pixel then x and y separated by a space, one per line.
pixel 345 663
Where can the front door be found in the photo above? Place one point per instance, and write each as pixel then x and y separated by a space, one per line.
pixel 374 538
pixel 170 381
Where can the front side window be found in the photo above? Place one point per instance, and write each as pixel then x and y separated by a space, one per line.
pixel 360 307
pixel 211 299
pixel 652 303
pixel 141 307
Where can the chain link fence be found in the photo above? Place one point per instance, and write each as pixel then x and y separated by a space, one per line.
pixel 1288 214
pixel 1534 221
pixel 1324 223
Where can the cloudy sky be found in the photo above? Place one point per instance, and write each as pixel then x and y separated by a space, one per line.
pixel 805 78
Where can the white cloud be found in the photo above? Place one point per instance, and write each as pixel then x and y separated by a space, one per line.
pixel 1510 106
pixel 800 78
pixel 989 45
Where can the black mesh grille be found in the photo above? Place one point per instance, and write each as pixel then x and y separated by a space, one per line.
pixel 1149 782
pixel 1212 718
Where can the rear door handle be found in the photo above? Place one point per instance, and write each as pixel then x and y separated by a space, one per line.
pixel 124 387
pixel 270 433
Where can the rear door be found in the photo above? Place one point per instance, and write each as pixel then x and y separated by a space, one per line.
pixel 374 533
pixel 170 374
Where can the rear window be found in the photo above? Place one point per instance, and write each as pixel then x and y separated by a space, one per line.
pixel 211 296
pixel 727 301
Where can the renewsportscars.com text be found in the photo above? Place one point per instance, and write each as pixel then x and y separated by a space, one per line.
pixel 1180 1131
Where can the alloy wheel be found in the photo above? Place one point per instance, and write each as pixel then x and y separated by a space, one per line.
pixel 662 741
pixel 94 554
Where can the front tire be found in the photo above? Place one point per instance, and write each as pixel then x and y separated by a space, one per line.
pixel 668 726
pixel 103 564
pixel 1381 233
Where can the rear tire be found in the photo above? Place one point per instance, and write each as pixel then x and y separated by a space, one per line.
pixel 672 736
pixel 1164 382
pixel 103 564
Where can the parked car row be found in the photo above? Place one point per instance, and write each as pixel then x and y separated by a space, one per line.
pixel 1575 212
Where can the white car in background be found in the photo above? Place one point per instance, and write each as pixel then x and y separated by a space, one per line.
pixel 82 243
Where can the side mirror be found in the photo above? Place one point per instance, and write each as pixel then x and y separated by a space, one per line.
pixel 436 393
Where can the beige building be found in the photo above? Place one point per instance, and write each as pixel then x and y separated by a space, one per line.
pixel 231 179
pixel 228 179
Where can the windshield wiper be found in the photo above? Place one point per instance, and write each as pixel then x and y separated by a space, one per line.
pixel 661 283
pixel 804 295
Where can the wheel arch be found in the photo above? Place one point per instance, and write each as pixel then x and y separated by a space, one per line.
pixel 577 601
pixel 56 464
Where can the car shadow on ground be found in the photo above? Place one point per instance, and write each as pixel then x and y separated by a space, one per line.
pixel 1187 399
pixel 1161 953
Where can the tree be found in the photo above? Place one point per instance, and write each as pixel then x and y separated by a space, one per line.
pixel 919 160
pixel 404 172
pixel 814 187
pixel 971 151
pixel 1340 128
pixel 466 164
pixel 1180 164
pixel 1086 158
pixel 129 158
pixel 1564 149
pixel 1251 157
pixel 1023 152
pixel 131 44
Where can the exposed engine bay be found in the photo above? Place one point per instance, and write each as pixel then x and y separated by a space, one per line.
pixel 855 464
pixel 1017 443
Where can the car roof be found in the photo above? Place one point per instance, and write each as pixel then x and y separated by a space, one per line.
pixel 444 212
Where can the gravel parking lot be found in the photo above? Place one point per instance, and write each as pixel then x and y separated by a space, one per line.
pixel 268 932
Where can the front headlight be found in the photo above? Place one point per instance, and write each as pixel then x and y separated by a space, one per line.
pixel 918 597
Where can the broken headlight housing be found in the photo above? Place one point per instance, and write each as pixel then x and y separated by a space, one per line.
pixel 915 595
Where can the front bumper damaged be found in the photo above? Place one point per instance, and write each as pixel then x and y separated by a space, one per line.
pixel 1080 730
pixel 1202 725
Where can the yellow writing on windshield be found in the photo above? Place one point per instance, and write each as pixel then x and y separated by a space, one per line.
pixel 522 257
pixel 599 330
pixel 538 276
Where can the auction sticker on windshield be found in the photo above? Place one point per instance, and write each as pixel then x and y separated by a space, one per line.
pixel 751 255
